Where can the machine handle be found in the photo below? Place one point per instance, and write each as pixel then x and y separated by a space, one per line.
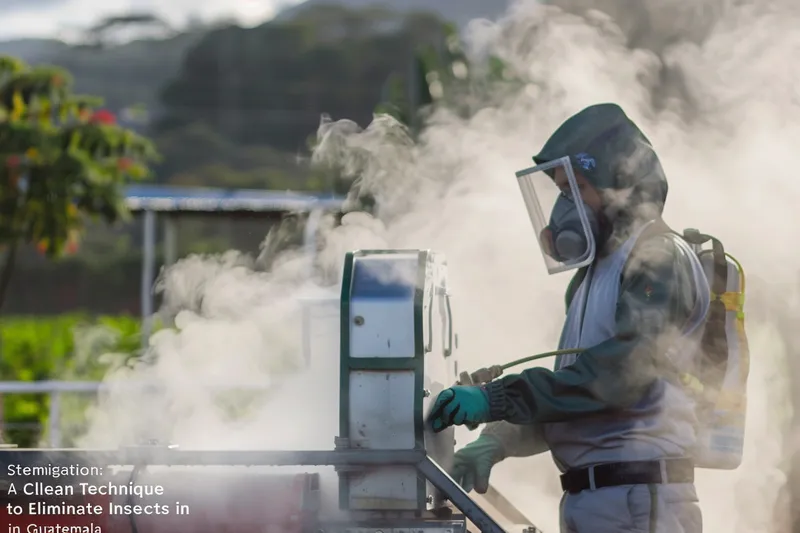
pixel 429 344
pixel 448 351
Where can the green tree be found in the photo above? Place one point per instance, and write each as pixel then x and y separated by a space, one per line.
pixel 61 161
pixel 443 76
pixel 269 85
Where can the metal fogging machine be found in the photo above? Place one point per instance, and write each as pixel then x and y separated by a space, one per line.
pixel 397 351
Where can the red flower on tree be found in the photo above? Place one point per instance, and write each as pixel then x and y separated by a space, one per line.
pixel 124 163
pixel 103 116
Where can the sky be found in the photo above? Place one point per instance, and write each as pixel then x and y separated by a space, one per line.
pixel 60 18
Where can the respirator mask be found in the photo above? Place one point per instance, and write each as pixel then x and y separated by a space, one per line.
pixel 564 238
pixel 567 229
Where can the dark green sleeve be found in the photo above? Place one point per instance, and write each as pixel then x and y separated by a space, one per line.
pixel 656 299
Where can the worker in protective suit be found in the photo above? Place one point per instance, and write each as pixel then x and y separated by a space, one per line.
pixel 615 417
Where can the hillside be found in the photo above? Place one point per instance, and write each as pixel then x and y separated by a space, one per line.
pixel 457 11
pixel 125 75
pixel 33 50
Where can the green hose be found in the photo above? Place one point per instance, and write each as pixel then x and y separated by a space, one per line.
pixel 486 375
pixel 539 356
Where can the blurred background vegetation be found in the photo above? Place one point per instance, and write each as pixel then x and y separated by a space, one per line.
pixel 64 347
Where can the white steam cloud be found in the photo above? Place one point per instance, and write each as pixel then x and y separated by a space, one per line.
pixel 730 158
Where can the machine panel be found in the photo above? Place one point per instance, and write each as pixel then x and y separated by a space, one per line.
pixel 397 353
pixel 382 298
pixel 379 421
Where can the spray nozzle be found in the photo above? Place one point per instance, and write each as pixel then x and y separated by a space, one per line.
pixel 481 376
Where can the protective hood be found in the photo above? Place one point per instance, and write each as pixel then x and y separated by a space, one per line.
pixel 613 154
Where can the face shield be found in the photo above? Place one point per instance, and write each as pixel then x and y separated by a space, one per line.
pixel 566 227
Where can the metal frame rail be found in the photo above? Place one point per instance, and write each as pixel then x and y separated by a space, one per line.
pixel 146 456
pixel 56 389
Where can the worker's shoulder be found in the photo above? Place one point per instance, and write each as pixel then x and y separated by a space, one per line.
pixel 658 255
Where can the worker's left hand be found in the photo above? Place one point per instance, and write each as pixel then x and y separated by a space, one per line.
pixel 459 405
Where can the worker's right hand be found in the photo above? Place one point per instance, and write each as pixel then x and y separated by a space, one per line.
pixel 473 463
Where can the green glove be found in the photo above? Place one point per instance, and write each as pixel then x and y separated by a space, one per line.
pixel 473 463
pixel 459 405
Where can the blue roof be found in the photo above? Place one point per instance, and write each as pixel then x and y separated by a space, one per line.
pixel 202 199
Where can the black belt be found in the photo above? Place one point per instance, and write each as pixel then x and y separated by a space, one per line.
pixel 630 473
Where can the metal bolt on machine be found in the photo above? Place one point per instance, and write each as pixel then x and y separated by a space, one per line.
pixel 393 329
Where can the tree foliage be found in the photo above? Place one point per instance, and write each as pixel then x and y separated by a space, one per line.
pixel 61 160
pixel 270 84
pixel 443 76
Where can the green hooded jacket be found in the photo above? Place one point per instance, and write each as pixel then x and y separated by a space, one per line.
pixel 657 291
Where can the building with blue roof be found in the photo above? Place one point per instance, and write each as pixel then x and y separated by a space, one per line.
pixel 170 203
pixel 170 199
